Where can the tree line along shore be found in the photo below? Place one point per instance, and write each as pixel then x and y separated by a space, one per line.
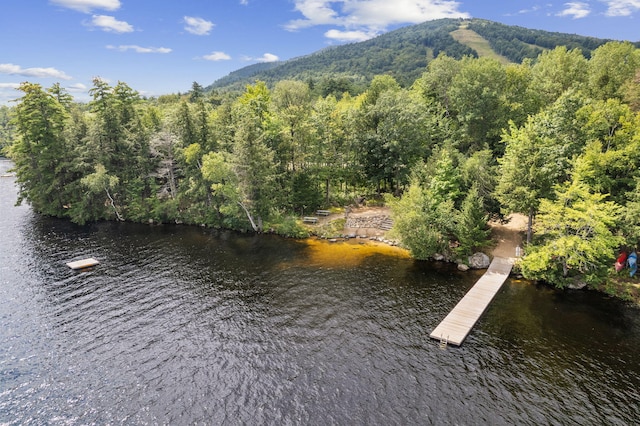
pixel 556 138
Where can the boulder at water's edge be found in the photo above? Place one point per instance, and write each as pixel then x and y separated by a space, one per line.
pixel 479 261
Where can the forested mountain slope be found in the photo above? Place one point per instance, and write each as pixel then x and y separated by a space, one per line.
pixel 404 54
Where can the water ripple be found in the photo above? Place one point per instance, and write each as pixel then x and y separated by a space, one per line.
pixel 187 326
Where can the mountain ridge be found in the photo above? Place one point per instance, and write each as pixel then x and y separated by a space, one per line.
pixel 405 52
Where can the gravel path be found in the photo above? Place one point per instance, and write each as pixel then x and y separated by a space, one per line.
pixel 508 235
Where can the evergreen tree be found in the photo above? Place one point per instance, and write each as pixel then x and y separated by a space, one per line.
pixel 40 152
pixel 305 194
pixel 253 159
pixel 445 182
pixel 480 171
pixel 7 128
pixel 424 224
pixel 471 230
pixel 196 94
pixel 185 125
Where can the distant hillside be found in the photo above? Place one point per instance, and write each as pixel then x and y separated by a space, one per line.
pixel 404 54
pixel 244 74
pixel 478 43
pixel 518 43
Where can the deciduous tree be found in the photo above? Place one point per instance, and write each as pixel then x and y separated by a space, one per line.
pixel 611 158
pixel 528 170
pixel 610 67
pixel 556 71
pixel 574 237
pixel 477 95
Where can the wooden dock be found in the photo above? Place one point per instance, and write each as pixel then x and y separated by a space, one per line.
pixel 455 327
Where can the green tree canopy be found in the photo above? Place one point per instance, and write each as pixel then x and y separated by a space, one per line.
pixel 611 158
pixel 574 237
pixel 610 67
pixel 477 96
pixel 556 71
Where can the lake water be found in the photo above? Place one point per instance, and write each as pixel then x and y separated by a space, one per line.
pixel 183 325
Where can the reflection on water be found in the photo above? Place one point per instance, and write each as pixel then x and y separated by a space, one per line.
pixel 181 325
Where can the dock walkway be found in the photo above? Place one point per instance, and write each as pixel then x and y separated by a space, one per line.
pixel 455 327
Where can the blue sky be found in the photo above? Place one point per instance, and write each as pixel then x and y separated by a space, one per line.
pixel 163 46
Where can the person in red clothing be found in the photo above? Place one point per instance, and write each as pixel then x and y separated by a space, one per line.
pixel 621 260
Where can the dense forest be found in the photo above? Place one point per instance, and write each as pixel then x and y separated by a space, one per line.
pixel 518 44
pixel 556 138
pixel 403 54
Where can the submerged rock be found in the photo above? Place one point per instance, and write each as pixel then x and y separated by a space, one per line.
pixel 577 284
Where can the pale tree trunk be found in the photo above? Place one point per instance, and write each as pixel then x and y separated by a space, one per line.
pixel 255 227
pixel 172 183
pixel 327 190
pixel 530 227
pixel 113 204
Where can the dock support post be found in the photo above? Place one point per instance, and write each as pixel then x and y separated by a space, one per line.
pixel 444 342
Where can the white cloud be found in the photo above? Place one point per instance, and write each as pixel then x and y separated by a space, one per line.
pixel 8 93
pixel 139 49
pixel 381 13
pixel 110 24
pixel 315 13
pixel 197 26
pixel 76 88
pixel 371 16
pixel 87 6
pixel 576 10
pixel 533 9
pixel 622 7
pixel 268 57
pixel 217 56
pixel 33 72
pixel 349 36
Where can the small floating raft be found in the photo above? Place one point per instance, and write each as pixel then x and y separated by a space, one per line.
pixel 84 263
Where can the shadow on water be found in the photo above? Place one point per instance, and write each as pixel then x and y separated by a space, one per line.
pixel 183 325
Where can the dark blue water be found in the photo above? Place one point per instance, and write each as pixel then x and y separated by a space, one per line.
pixel 182 325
